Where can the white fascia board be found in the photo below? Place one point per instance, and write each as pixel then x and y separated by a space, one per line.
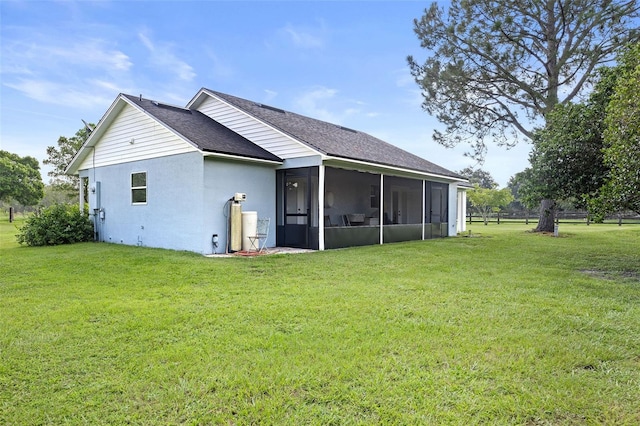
pixel 103 124
pixel 197 101
pixel 240 158
pixel 381 168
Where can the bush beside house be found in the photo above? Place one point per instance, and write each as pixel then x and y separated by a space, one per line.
pixel 57 224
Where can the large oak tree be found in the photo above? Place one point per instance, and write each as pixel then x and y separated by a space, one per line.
pixel 567 160
pixel 622 141
pixel 20 179
pixel 496 69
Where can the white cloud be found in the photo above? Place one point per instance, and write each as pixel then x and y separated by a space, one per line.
pixel 309 103
pixel 26 57
pixel 109 86
pixel 412 93
pixel 302 37
pixel 404 78
pixel 326 104
pixel 51 71
pixel 64 71
pixel 147 43
pixel 94 54
pixel 78 95
pixel 270 95
pixel 163 58
pixel 218 67
pixel 177 99
pixel 185 71
pixel 14 69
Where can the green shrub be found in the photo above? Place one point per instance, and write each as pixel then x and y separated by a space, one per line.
pixel 57 224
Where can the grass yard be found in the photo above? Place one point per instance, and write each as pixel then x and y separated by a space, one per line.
pixel 504 327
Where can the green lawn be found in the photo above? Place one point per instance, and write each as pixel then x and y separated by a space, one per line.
pixel 503 327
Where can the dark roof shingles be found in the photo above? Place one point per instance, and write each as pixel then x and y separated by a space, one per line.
pixel 334 140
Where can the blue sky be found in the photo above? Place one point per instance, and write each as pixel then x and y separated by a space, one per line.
pixel 343 62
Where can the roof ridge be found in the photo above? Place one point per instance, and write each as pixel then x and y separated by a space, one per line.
pixel 277 109
pixel 333 139
pixel 156 103
pixel 225 97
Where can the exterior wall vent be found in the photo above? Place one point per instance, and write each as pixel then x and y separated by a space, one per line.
pixel 347 129
pixel 281 111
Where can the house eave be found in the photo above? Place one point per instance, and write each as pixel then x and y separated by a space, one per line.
pixel 329 160
pixel 240 158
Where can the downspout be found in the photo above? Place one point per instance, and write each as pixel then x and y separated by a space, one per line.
pixel 81 195
pixel 452 209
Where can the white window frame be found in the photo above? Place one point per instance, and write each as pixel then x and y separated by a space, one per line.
pixel 133 188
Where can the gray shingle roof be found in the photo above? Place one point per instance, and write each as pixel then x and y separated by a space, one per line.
pixel 207 134
pixel 334 140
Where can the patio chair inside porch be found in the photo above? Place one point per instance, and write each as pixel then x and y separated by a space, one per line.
pixel 353 219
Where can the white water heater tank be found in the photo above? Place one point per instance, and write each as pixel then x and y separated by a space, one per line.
pixel 249 228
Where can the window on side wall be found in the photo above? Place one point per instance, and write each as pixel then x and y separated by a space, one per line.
pixel 139 188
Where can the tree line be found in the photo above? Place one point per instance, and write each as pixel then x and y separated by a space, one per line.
pixel 21 184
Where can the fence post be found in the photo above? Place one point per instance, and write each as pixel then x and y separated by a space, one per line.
pixel 10 214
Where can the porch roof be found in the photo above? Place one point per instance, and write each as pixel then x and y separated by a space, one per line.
pixel 335 140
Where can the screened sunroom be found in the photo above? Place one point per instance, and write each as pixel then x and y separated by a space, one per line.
pixel 331 207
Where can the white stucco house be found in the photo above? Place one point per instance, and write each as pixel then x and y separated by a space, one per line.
pixel 163 176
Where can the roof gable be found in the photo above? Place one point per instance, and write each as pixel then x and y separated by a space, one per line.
pixel 180 130
pixel 125 133
pixel 249 126
pixel 206 134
